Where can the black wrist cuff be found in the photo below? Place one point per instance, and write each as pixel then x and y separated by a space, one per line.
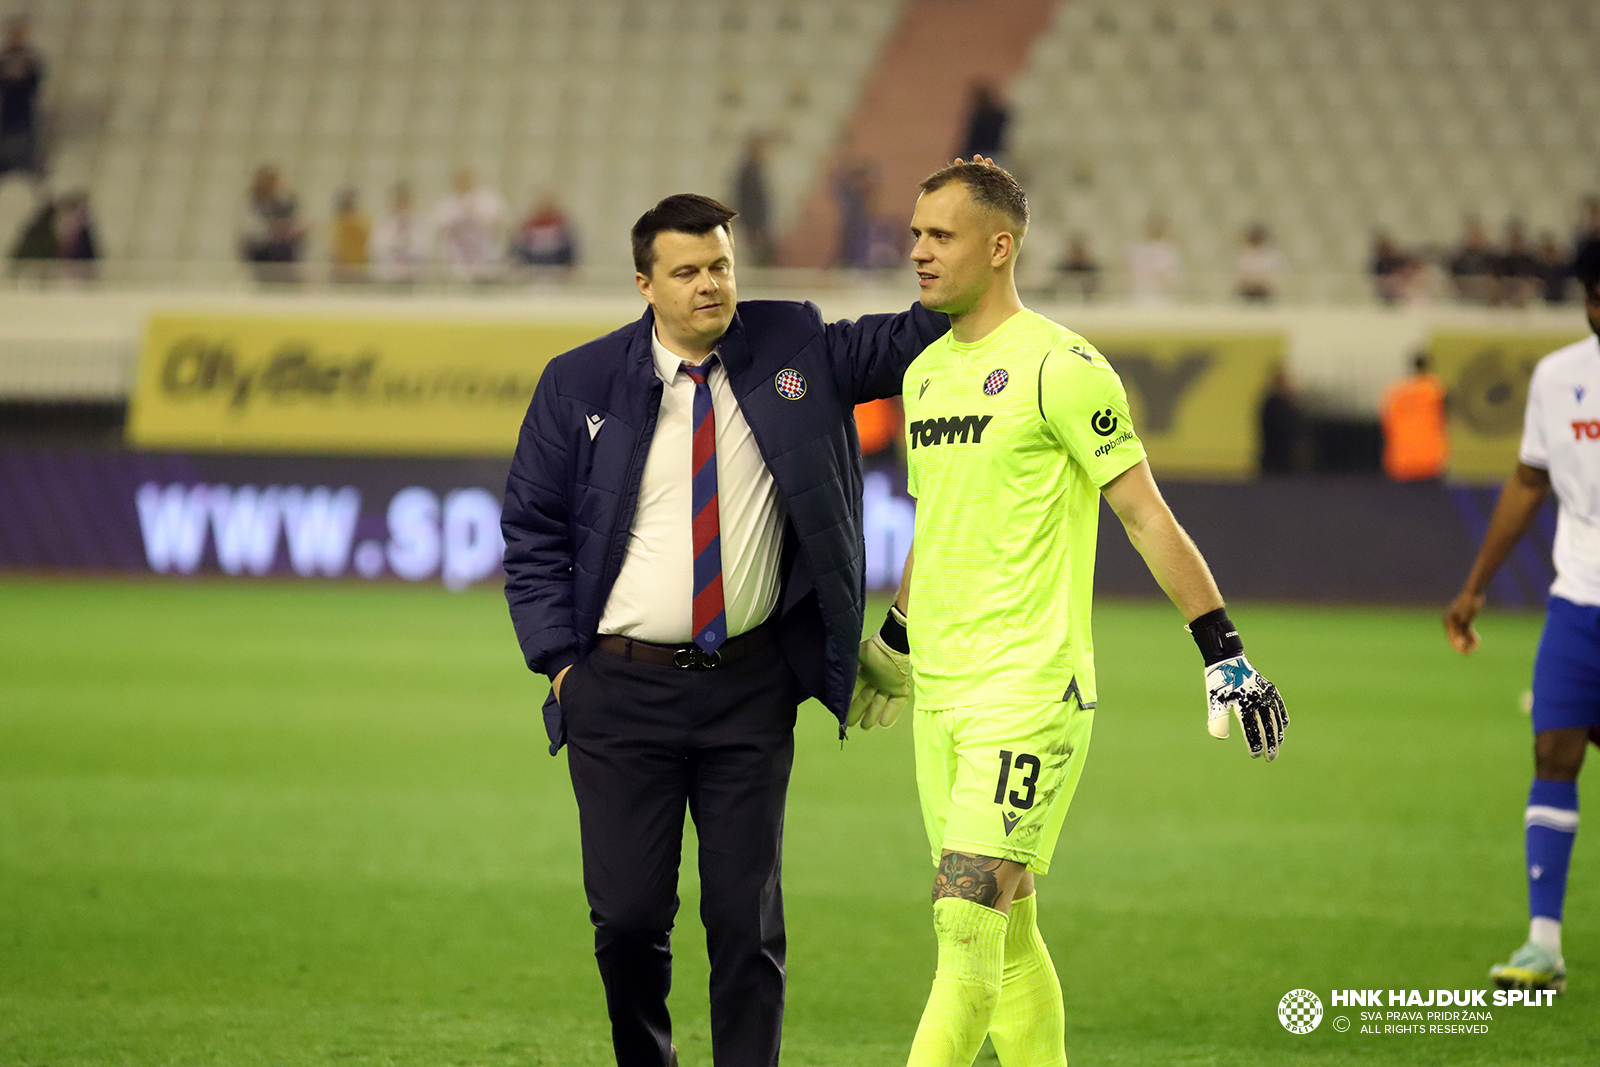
pixel 894 634
pixel 1216 636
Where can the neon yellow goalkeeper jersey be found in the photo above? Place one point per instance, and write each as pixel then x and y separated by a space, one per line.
pixel 1008 442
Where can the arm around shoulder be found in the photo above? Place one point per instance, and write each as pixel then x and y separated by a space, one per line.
pixel 875 350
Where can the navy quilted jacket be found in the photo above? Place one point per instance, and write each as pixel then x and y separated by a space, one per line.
pixel 571 494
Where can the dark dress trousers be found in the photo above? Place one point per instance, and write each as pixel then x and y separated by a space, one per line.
pixel 648 739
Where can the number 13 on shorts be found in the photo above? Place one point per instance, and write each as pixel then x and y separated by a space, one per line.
pixel 1027 765
pixel 997 780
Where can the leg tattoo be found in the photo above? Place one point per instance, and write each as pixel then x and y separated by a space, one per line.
pixel 973 878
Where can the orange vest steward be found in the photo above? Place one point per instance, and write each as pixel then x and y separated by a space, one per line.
pixel 878 424
pixel 1416 444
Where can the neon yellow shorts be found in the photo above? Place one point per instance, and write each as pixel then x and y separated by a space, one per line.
pixel 997 779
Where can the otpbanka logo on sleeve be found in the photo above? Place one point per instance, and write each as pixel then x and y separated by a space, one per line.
pixel 1300 1011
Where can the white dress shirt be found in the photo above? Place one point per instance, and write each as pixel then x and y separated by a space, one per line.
pixel 654 593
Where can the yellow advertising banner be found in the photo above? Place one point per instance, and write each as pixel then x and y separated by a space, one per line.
pixel 265 383
pixel 1486 375
pixel 1195 397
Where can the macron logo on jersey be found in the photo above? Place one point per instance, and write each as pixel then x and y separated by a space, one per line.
pixel 1585 428
pixel 927 432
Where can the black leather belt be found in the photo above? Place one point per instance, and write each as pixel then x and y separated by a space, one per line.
pixel 689 657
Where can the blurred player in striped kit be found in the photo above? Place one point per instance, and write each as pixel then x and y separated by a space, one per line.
pixel 1561 451
pixel 1015 427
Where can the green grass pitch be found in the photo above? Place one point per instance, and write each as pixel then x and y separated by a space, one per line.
pixel 285 824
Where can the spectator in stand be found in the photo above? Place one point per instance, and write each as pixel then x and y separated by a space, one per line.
pixel 1473 264
pixel 1555 270
pixel 545 238
pixel 1079 271
pixel 351 232
pixel 1258 267
pixel 883 243
pixel 271 230
pixel 987 118
pixel 1588 229
pixel 1416 440
pixel 853 186
pixel 1154 264
pixel 1517 268
pixel 754 206
pixel 1393 271
pixel 76 244
pixel 1280 427
pixel 61 231
pixel 21 72
pixel 470 224
pixel 401 242
pixel 885 249
pixel 1587 234
pixel 36 240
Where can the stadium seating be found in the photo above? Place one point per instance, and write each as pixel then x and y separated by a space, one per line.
pixel 1322 118
pixel 162 108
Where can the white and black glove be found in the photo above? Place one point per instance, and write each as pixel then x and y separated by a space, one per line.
pixel 883 676
pixel 1232 685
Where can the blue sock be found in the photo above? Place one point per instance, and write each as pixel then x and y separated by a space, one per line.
pixel 1552 821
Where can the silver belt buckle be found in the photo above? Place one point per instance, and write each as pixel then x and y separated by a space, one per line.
pixel 694 658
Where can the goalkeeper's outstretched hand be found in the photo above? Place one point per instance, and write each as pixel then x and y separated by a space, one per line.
pixel 1232 685
pixel 883 676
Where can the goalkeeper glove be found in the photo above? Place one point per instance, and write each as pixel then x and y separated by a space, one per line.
pixel 883 676
pixel 1232 685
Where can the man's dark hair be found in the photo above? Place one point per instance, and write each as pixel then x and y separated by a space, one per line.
pixel 989 186
pixel 682 213
pixel 1587 270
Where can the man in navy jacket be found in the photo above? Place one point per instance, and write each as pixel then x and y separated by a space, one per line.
pixel 684 560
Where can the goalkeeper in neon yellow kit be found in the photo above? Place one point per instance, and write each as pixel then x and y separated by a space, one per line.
pixel 1014 428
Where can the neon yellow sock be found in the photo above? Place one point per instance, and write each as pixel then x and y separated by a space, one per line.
pixel 966 986
pixel 1029 1024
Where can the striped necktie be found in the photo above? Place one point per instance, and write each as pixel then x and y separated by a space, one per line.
pixel 709 614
